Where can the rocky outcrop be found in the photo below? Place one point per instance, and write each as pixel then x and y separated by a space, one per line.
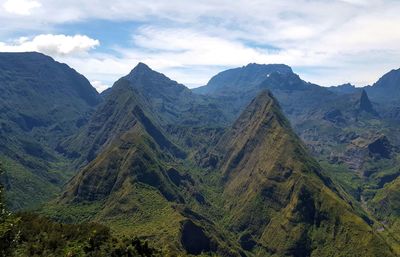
pixel 193 238
pixel 365 105
pixel 380 147
pixel 335 116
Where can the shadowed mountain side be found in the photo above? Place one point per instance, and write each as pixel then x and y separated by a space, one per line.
pixel 233 80
pixel 118 113
pixel 173 107
pixel 41 102
pixel 173 103
pixel 387 89
pixel 235 88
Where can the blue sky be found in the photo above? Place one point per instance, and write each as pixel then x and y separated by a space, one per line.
pixel 325 42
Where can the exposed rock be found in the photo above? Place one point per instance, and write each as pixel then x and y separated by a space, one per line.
pixel 365 104
pixel 177 178
pixel 193 238
pixel 380 147
pixel 348 137
pixel 388 178
pixel 334 116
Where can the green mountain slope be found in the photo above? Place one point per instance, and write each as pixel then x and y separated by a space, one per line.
pixel 353 137
pixel 385 206
pixel 41 103
pixel 277 197
pixel 137 179
pixel 216 173
pixel 171 105
pixel 141 182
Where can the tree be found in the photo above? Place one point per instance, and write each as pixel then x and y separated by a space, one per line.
pixel 8 225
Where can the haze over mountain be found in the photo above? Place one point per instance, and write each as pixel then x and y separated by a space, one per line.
pixel 256 163
pixel 386 89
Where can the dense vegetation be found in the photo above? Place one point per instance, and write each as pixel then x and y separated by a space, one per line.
pixel 27 234
pixel 229 169
pixel 41 103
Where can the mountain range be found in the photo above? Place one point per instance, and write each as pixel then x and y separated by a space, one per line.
pixel 258 162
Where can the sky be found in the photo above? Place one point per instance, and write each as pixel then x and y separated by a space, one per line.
pixel 327 42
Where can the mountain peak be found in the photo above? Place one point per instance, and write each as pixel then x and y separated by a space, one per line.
pixel 237 79
pixel 142 65
pixel 265 96
pixel 140 68
pixel 346 88
pixel 389 80
pixel 269 67
pixel 142 74
pixel 260 118
pixel 387 88
pixel 364 103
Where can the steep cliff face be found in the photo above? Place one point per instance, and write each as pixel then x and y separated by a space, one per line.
pixel 278 197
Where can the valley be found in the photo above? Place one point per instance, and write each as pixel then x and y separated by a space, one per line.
pixel 258 162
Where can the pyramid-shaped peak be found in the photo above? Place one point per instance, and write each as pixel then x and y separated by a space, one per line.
pixel 143 70
pixel 141 67
pixel 263 102
pixel 262 107
pixel 364 103
pixel 264 96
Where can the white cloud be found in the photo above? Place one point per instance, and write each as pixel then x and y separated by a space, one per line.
pixel 327 42
pixel 100 86
pixel 21 7
pixel 52 44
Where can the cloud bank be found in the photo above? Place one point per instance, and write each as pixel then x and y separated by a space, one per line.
pixel 54 45
pixel 21 7
pixel 326 42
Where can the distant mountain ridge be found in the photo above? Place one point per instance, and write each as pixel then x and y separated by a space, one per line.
pixel 251 75
pixel 387 88
pixel 344 89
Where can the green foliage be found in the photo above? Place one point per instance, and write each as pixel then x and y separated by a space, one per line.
pixel 155 157
pixel 41 103
pixel 40 236
pixel 9 225
pixel 28 234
